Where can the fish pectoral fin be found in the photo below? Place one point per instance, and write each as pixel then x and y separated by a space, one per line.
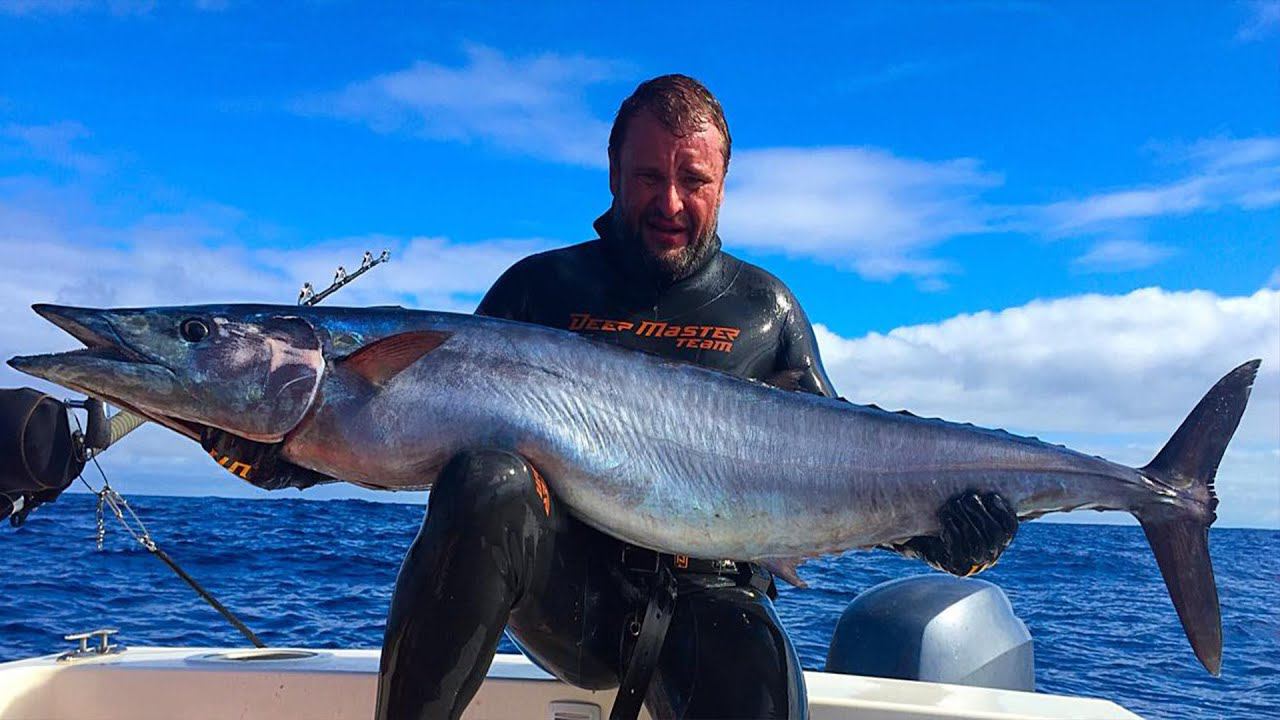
pixel 383 359
pixel 785 568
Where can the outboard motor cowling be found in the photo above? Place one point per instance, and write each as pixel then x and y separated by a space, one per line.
pixel 936 628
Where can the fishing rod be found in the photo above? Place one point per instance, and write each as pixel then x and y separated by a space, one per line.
pixel 340 278
pixel 102 432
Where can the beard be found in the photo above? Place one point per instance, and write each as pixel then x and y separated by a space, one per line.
pixel 666 269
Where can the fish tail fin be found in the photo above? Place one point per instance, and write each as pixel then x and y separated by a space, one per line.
pixel 1179 533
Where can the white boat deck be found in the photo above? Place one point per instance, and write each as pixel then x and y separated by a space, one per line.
pixel 151 683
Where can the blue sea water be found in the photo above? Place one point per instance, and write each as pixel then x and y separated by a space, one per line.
pixel 320 573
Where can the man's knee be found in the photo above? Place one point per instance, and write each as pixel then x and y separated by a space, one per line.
pixel 488 483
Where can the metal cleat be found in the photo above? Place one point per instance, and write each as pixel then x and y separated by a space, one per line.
pixel 102 647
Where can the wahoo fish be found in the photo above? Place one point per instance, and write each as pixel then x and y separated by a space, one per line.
pixel 662 454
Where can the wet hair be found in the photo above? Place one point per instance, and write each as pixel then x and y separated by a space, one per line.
pixel 683 106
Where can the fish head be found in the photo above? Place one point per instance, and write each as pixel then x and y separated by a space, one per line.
pixel 253 371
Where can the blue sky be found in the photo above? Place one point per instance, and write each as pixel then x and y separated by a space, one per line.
pixel 1060 218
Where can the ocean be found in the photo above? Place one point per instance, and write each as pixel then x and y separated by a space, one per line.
pixel 320 574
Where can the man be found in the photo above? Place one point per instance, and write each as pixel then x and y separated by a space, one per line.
pixel 498 550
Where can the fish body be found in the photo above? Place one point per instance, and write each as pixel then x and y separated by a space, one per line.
pixel 662 454
pixel 681 458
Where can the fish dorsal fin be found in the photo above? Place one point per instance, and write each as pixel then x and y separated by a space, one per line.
pixel 383 359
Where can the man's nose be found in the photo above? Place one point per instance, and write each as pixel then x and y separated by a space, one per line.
pixel 669 201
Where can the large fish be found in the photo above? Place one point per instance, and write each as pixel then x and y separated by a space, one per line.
pixel 662 454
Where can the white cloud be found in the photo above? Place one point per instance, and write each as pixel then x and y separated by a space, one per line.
pixel 62 251
pixel 1222 153
pixel 33 7
pixel 883 215
pixel 56 143
pixel 861 208
pixel 534 105
pixel 1131 363
pixel 1224 172
pixel 114 7
pixel 1177 198
pixel 1089 371
pixel 63 7
pixel 62 248
pixel 1121 255
pixel 889 74
pixel 1264 20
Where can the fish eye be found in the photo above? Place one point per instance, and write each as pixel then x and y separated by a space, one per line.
pixel 193 330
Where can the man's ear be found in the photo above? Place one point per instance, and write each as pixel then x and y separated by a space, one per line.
pixel 614 175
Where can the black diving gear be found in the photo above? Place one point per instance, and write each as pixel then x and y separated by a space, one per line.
pixel 728 314
pixel 497 550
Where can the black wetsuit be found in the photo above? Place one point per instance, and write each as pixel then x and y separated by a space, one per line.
pixel 497 550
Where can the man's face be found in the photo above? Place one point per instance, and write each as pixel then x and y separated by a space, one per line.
pixel 667 192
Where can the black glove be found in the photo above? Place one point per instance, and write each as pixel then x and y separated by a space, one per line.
pixel 258 463
pixel 976 528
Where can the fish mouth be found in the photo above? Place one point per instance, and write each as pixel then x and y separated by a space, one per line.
pixel 100 365
pixel 102 345
pixel 94 329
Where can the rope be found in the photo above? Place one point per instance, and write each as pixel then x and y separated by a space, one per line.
pixel 108 497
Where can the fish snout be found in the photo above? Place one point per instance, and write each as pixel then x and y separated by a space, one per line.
pixel 29 364
pixel 87 325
